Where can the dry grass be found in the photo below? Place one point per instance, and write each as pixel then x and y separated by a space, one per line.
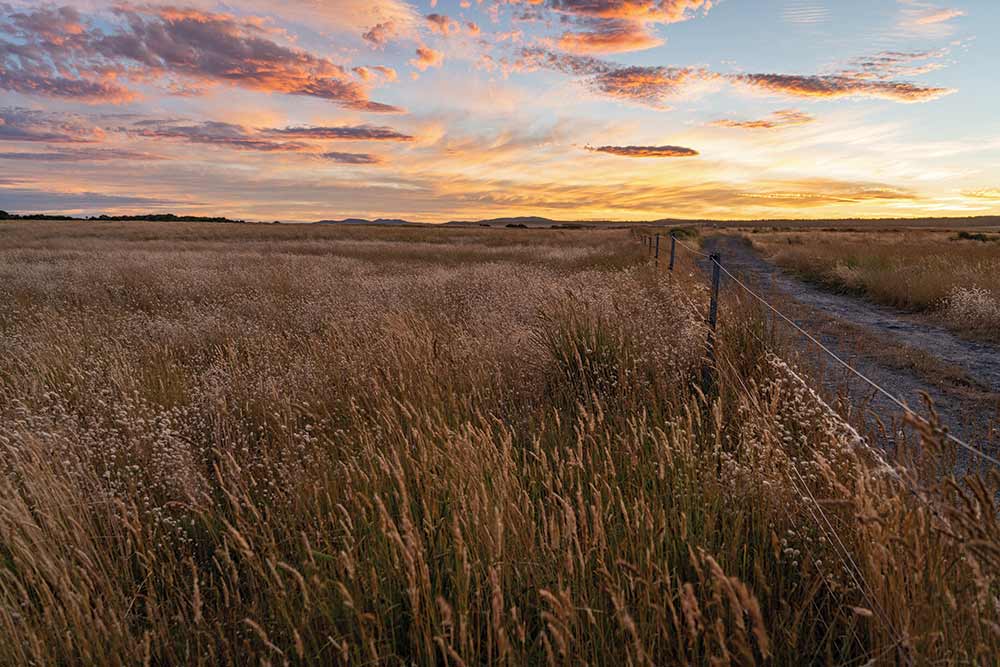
pixel 257 445
pixel 956 276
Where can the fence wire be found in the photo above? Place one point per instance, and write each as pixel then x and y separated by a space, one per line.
pixel 877 387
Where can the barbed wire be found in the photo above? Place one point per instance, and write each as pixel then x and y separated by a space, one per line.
pixel 884 392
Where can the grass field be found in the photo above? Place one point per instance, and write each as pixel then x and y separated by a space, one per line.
pixel 240 444
pixel 953 275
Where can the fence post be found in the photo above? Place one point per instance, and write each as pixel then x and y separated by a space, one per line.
pixel 673 249
pixel 708 370
pixel 657 251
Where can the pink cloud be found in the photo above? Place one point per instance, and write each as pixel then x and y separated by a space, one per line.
pixel 152 44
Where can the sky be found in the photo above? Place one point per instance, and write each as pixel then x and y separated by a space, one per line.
pixel 438 110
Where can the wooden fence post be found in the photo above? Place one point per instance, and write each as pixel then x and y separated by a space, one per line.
pixel 673 249
pixel 708 370
pixel 657 251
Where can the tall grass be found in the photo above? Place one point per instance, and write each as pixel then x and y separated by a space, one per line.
pixel 956 277
pixel 464 448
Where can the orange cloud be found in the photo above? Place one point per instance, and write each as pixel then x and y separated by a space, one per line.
pixel 659 11
pixel 645 151
pixel 442 24
pixel 615 26
pixel 427 57
pixel 165 43
pixel 613 37
pixel 381 33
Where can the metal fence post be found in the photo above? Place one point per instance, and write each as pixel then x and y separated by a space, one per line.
pixel 708 370
pixel 673 249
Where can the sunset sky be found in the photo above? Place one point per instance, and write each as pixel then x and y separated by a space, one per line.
pixel 465 109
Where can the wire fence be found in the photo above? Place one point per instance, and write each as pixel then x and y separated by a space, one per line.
pixel 653 243
pixel 813 505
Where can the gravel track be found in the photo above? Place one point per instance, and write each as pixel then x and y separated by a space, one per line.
pixel 969 407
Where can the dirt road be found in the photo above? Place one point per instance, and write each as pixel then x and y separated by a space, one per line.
pixel 903 353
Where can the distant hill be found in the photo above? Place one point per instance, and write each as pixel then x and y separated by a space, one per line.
pixel 499 222
pixel 385 222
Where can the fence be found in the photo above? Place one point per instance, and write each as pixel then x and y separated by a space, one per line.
pixel 813 505
pixel 652 243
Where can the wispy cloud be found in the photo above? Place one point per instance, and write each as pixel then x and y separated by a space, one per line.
pixel 986 193
pixel 654 86
pixel 28 125
pixel 651 86
pixel 778 119
pixel 805 12
pixel 80 155
pixel 343 133
pixel 213 133
pixel 926 19
pixel 351 158
pixel 645 151
pixel 838 86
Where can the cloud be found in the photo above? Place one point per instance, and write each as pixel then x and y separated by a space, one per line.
pixel 442 24
pixel 612 37
pixel 654 11
pixel 818 192
pixel 615 26
pixel 778 119
pixel 891 64
pixel 654 85
pixel 645 151
pixel 343 133
pixel 381 34
pixel 934 16
pixel 213 133
pixel 159 43
pixel 927 20
pixel 650 86
pixel 299 140
pixel 352 158
pixel 24 68
pixel 27 125
pixel 80 155
pixel 806 12
pixel 986 193
pixel 838 86
pixel 426 58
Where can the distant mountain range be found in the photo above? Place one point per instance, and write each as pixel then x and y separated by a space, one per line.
pixel 387 222
pixel 526 221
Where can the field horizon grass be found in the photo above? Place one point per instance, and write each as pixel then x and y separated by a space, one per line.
pixel 287 445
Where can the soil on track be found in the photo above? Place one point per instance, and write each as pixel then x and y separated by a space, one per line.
pixel 903 353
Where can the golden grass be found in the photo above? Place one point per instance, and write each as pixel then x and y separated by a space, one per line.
pixel 956 276
pixel 256 445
